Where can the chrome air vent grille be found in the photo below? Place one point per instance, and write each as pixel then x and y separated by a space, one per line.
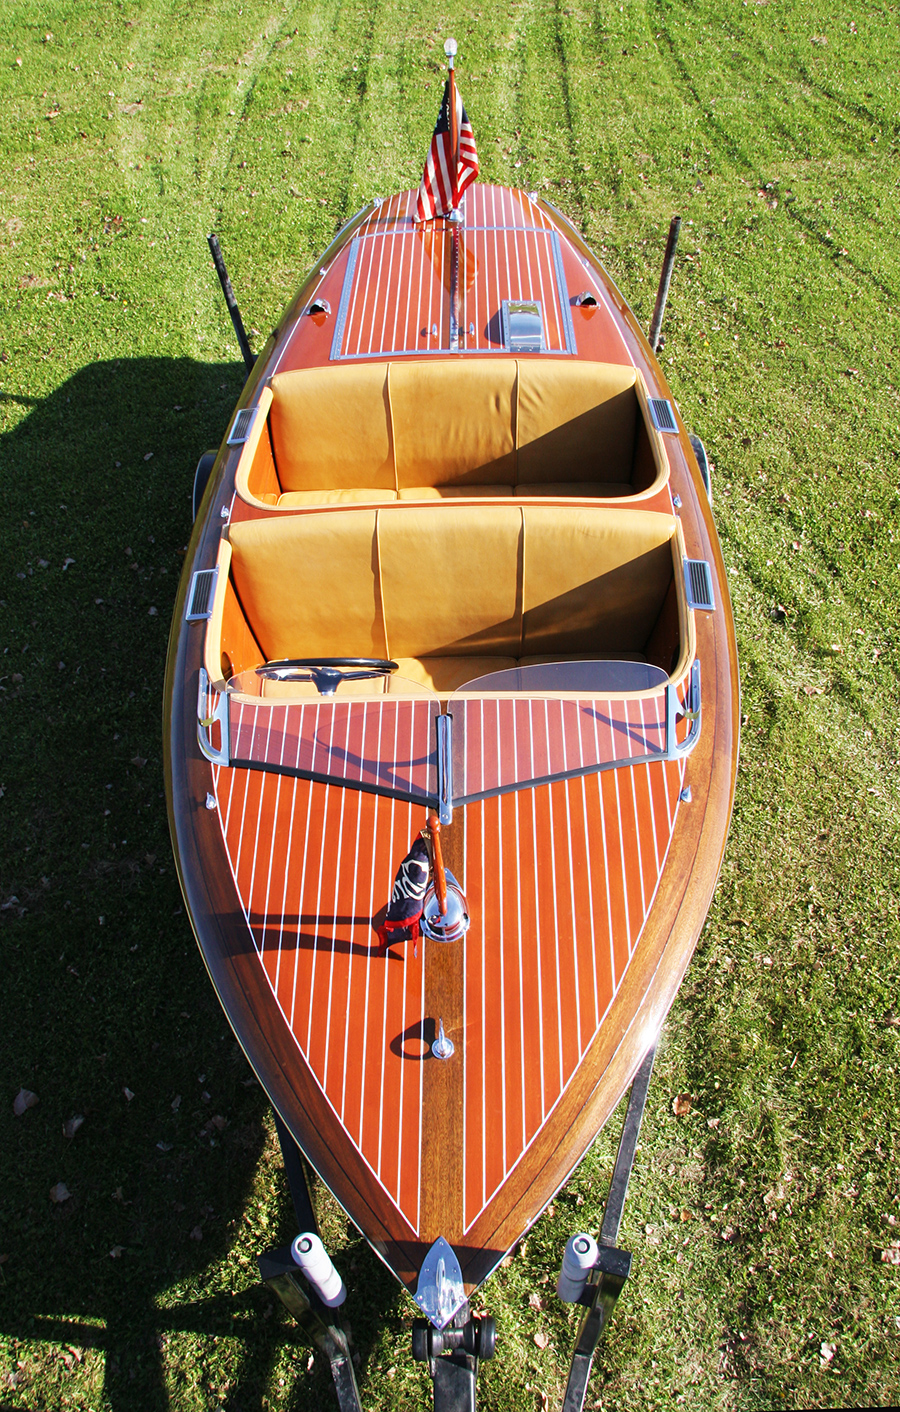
pixel 663 414
pixel 200 598
pixel 698 582
pixel 241 427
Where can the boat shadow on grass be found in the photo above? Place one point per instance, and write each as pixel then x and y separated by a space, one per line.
pixel 108 1015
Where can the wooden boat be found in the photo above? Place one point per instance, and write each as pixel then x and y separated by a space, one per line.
pixel 458 457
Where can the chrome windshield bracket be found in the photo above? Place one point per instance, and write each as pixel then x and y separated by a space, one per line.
pixel 689 711
pixel 443 726
pixel 206 719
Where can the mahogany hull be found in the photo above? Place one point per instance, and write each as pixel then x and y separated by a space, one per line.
pixel 587 894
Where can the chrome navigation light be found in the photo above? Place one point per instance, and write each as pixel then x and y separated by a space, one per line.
pixel 454 924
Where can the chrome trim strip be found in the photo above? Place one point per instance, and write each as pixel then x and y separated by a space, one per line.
pixel 340 321
pixel 444 350
pixel 219 713
pixel 562 294
pixel 444 729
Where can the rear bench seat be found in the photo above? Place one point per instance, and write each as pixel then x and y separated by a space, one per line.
pixel 452 592
pixel 373 433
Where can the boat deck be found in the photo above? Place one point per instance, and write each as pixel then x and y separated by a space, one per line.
pixel 559 882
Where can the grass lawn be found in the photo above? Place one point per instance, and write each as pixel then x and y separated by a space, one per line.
pixel 765 1223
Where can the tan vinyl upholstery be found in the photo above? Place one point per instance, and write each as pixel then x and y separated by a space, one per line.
pixel 331 428
pixel 310 584
pixel 454 423
pixel 454 591
pixel 426 429
pixel 576 422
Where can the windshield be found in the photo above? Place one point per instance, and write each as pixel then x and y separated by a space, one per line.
pixel 537 733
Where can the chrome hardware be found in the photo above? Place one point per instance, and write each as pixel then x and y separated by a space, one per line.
pixel 676 501
pixel 210 801
pixel 200 598
pixel 702 465
pixel 224 512
pixel 662 414
pixel 219 713
pixel 699 585
pixel 242 426
pixel 318 306
pixel 454 923
pixel 685 796
pixel 585 299
pixel 442 1047
pixel 434 330
pixel 440 1291
pixel 691 711
pixel 444 730
pixel 471 330
pixel 523 325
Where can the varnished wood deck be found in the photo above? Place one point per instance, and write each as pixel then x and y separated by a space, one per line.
pixel 559 882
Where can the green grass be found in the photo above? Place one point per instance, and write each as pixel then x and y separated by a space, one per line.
pixel 758 1220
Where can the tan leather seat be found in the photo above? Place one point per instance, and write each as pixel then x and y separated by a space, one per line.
pixel 454 591
pixel 423 429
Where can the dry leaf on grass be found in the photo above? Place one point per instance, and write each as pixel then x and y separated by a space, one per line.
pixel 541 1339
pixel 682 1104
pixel 71 1127
pixel 24 1100
pixel 59 1193
pixel 891 1256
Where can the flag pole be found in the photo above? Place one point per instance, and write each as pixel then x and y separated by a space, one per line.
pixel 450 50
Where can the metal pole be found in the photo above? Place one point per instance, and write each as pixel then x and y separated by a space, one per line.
pixel 613 1265
pixel 664 281
pixel 450 51
pixel 230 300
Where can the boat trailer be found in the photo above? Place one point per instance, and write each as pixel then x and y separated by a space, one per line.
pixel 593 1275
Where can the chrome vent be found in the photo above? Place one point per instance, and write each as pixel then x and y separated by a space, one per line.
pixel 241 427
pixel 200 598
pixel 663 414
pixel 523 325
pixel 698 582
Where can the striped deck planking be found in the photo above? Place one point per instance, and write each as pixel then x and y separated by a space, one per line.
pixel 396 292
pixel 559 882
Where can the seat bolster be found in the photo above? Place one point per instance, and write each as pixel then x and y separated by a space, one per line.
pixel 569 489
pixel 456 492
pixel 298 499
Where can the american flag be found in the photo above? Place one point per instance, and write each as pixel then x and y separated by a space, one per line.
pixel 436 191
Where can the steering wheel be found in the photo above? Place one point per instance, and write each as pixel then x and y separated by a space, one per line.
pixel 326 672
